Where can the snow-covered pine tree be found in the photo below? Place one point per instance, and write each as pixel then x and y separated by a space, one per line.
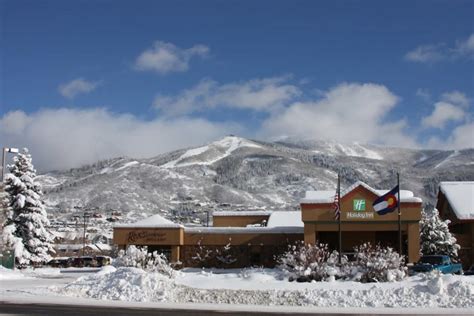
pixel 25 225
pixel 435 237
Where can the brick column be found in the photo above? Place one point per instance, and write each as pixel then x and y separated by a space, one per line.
pixel 174 253
pixel 413 242
pixel 309 234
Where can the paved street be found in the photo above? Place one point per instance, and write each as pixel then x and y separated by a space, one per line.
pixel 81 310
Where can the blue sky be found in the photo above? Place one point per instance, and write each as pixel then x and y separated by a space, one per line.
pixel 87 80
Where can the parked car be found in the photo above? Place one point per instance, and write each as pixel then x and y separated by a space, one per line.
pixel 470 271
pixel 103 261
pixel 62 262
pixel 437 262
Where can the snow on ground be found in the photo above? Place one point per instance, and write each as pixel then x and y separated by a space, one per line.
pixel 267 287
pixel 431 293
pixel 128 164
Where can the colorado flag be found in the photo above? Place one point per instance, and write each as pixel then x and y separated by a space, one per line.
pixel 387 203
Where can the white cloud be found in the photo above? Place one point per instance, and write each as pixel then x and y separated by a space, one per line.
pixel 424 94
pixel 267 95
pixel 456 97
pixel 426 54
pixel 462 137
pixel 451 108
pixel 443 113
pixel 63 138
pixel 166 57
pixel 466 47
pixel 347 112
pixel 77 86
pixel 437 52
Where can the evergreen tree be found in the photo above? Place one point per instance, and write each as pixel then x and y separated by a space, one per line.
pixel 435 237
pixel 25 225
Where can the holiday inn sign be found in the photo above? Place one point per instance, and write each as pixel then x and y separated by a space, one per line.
pixel 359 206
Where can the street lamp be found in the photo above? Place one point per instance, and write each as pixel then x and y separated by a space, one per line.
pixel 4 153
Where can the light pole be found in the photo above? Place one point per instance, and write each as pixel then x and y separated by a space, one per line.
pixel 86 217
pixel 4 154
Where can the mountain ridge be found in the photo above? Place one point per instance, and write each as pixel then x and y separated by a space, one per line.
pixel 236 173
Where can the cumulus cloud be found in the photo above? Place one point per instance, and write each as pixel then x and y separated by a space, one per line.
pixel 77 86
pixel 347 112
pixel 456 97
pixel 266 95
pixel 165 57
pixel 431 53
pixel 451 108
pixel 461 137
pixel 64 138
pixel 442 113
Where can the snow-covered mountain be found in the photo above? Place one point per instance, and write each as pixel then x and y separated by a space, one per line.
pixel 236 173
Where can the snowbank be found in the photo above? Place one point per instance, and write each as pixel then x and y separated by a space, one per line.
pixel 124 284
pixel 8 274
pixel 265 287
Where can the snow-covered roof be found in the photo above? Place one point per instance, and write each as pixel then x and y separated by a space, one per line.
pixel 460 195
pixel 314 197
pixel 98 246
pixel 245 230
pixel 319 196
pixel 155 221
pixel 285 219
pixel 242 213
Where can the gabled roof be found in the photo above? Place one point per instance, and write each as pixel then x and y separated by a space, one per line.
pixel 327 196
pixel 460 195
pixel 155 221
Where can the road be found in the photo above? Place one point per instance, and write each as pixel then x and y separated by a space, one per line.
pixel 82 310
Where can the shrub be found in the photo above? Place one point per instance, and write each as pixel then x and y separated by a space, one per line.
pixel 139 257
pixel 304 262
pixel 377 264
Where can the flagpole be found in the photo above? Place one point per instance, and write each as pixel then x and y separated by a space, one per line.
pixel 399 217
pixel 340 214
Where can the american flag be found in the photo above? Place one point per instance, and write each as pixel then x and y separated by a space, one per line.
pixel 337 211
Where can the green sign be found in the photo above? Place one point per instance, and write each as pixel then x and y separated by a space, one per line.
pixel 358 205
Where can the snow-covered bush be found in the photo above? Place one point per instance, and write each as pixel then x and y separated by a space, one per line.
pixel 139 257
pixel 377 264
pixel 435 237
pixel 25 229
pixel 203 254
pixel 224 255
pixel 214 257
pixel 305 262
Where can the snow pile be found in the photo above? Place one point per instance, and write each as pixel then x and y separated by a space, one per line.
pixel 263 287
pixel 8 274
pixel 124 284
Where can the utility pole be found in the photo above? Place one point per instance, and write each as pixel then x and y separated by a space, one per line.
pixel 86 216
